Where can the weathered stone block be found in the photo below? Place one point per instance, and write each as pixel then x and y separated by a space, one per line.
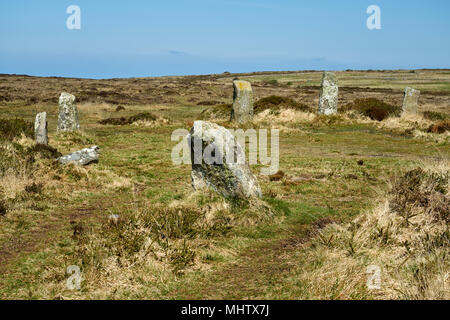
pixel 328 100
pixel 218 162
pixel 410 101
pixel 68 113
pixel 242 102
pixel 82 157
pixel 40 128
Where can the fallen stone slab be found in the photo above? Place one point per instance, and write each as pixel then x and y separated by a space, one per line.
pixel 82 157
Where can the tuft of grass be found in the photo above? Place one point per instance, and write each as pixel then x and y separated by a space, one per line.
pixel 373 108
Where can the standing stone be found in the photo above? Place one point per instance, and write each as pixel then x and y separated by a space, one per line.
pixel 328 100
pixel 40 128
pixel 411 101
pixel 242 102
pixel 68 113
pixel 218 162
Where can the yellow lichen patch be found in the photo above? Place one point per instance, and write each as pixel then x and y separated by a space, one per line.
pixel 244 85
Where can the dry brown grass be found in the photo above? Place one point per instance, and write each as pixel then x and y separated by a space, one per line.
pixel 407 122
pixel 150 244
pixel 407 236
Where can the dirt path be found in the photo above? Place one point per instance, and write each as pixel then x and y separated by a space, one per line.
pixel 258 268
pixel 45 233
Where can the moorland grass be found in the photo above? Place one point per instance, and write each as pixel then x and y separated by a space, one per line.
pixel 170 244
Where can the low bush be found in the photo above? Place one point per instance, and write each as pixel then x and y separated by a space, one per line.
pixel 435 116
pixel 208 103
pixel 373 108
pixel 276 103
pixel 273 82
pixel 440 127
pixel 45 152
pixel 14 128
pixel 220 111
pixel 124 121
pixel 14 157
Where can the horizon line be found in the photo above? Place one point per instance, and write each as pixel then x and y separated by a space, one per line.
pixel 229 73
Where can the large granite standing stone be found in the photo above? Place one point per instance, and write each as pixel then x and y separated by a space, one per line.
pixel 40 128
pixel 328 100
pixel 242 102
pixel 218 162
pixel 410 101
pixel 68 113
pixel 82 157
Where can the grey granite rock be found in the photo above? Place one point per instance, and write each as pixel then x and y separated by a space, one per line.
pixel 410 101
pixel 328 100
pixel 82 157
pixel 242 102
pixel 68 113
pixel 40 128
pixel 218 162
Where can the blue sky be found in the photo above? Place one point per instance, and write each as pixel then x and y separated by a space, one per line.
pixel 138 38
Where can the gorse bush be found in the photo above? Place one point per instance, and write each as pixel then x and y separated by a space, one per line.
pixel 373 108
pixel 14 128
pixel 418 188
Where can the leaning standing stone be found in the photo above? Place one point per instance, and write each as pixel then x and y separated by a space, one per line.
pixel 410 101
pixel 82 157
pixel 40 128
pixel 218 162
pixel 328 100
pixel 242 102
pixel 68 113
